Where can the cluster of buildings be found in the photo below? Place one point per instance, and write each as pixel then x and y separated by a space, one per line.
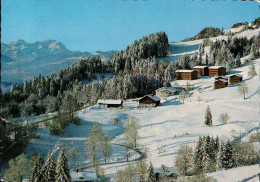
pixel 200 71
pixel 219 72
pixel 221 80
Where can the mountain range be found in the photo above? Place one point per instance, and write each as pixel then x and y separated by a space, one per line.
pixel 22 60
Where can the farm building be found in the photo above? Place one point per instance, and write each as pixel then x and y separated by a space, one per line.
pixel 202 70
pixel 235 78
pixel 186 75
pixel 217 71
pixel 109 103
pixel 149 101
pixel 165 92
pixel 220 83
pixel 86 176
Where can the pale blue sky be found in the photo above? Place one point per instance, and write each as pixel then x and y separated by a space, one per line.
pixel 92 25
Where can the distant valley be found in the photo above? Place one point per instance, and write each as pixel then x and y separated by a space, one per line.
pixel 21 60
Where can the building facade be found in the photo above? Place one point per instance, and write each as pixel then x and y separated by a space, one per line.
pixel 202 70
pixel 186 75
pixel 217 71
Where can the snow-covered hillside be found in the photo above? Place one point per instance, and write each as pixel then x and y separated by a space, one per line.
pixel 167 127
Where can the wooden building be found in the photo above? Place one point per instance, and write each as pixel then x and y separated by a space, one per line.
pixel 186 75
pixel 235 78
pixel 202 70
pixel 109 103
pixel 165 91
pixel 149 101
pixel 217 71
pixel 220 83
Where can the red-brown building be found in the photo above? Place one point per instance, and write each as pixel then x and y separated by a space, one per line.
pixel 186 74
pixel 149 101
pixel 235 79
pixel 220 82
pixel 202 70
pixel 217 71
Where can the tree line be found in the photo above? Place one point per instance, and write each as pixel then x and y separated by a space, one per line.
pixel 38 170
pixel 211 155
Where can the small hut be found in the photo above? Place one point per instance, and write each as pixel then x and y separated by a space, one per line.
pixel 202 70
pixel 186 74
pixel 103 103
pixel 165 91
pixel 217 71
pixel 235 78
pixel 220 83
pixel 149 101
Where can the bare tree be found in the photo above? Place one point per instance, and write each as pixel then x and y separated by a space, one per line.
pixel 141 169
pixel 184 160
pixel 106 148
pixel 131 131
pixel 183 96
pixel 73 154
pixel 243 89
pixel 94 141
pixel 224 117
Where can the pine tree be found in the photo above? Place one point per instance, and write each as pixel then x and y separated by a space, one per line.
pixel 252 71
pixel 238 61
pixel 163 173
pixel 62 168
pixel 208 117
pixel 221 156
pixel 50 168
pixel 151 175
pixel 39 176
pixel 198 156
pixel 228 160
pixel 32 165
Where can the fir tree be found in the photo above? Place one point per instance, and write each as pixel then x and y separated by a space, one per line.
pixel 228 160
pixel 252 71
pixel 151 175
pixel 221 156
pixel 238 61
pixel 62 168
pixel 198 156
pixel 39 176
pixel 50 168
pixel 208 117
pixel 32 165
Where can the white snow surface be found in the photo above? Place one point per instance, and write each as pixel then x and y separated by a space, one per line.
pixel 165 128
pixel 237 174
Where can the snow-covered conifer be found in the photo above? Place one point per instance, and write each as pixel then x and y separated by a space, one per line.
pixel 208 117
pixel 62 168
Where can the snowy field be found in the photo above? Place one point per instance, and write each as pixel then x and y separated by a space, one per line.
pixel 172 124
pixel 168 126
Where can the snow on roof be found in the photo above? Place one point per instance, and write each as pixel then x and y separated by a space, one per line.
pixel 223 80
pixel 185 71
pixel 104 101
pixel 200 66
pixel 167 88
pixel 234 75
pixel 154 97
pixel 216 67
pixel 84 176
